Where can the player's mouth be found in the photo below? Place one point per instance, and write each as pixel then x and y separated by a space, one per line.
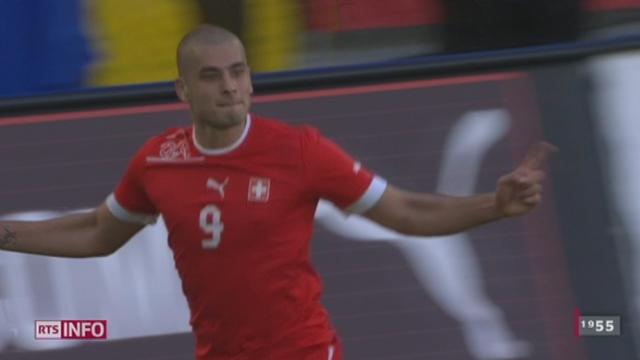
pixel 230 104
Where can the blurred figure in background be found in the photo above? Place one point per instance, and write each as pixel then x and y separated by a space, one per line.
pixel 448 267
pixel 615 79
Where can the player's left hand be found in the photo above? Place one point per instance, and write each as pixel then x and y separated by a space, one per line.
pixel 521 190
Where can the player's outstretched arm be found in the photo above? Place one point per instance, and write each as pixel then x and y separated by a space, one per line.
pixel 427 214
pixel 95 233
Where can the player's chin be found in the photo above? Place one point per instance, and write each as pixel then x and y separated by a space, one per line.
pixel 225 119
pixel 234 114
pixel 236 118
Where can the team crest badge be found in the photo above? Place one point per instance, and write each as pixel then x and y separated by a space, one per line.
pixel 259 189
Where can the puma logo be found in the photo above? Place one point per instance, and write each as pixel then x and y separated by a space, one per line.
pixel 219 187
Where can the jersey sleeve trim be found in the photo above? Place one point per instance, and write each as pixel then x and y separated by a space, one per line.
pixel 125 215
pixel 370 197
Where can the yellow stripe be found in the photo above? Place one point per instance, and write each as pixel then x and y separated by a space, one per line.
pixel 272 29
pixel 136 39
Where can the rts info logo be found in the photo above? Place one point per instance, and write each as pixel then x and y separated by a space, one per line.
pixel 71 329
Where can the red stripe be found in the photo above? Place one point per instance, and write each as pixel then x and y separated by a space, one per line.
pixel 105 113
pixel 83 115
pixel 386 87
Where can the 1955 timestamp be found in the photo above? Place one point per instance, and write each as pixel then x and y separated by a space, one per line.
pixel 598 325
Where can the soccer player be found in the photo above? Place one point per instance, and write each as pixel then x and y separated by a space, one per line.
pixel 238 193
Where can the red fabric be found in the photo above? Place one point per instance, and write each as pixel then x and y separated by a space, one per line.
pixel 343 15
pixel 256 295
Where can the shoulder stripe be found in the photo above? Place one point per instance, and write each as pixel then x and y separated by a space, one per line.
pixel 370 197
pixel 127 216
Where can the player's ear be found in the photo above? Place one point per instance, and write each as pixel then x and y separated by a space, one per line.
pixel 181 90
pixel 250 83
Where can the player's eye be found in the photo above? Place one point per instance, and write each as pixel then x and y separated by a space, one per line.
pixel 210 75
pixel 238 71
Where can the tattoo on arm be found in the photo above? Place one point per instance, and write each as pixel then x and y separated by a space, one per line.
pixel 7 237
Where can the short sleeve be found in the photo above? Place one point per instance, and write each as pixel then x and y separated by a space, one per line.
pixel 129 202
pixel 334 175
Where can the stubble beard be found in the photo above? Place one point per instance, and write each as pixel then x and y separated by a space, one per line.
pixel 223 121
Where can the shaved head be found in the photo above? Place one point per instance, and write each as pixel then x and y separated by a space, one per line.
pixel 203 35
pixel 214 78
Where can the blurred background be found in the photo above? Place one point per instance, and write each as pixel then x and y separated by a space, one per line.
pixel 66 45
pixel 435 95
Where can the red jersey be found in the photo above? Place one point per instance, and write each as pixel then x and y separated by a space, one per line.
pixel 240 221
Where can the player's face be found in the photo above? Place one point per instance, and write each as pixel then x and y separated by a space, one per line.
pixel 217 84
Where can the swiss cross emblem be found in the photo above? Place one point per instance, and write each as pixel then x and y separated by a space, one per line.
pixel 259 189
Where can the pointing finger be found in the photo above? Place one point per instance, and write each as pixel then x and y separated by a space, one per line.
pixel 538 155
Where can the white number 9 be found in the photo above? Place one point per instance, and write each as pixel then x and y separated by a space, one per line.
pixel 211 224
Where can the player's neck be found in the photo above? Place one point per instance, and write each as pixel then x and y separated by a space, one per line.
pixel 215 138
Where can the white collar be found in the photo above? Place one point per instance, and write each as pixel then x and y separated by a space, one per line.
pixel 226 149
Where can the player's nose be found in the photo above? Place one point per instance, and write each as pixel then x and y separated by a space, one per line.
pixel 229 84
